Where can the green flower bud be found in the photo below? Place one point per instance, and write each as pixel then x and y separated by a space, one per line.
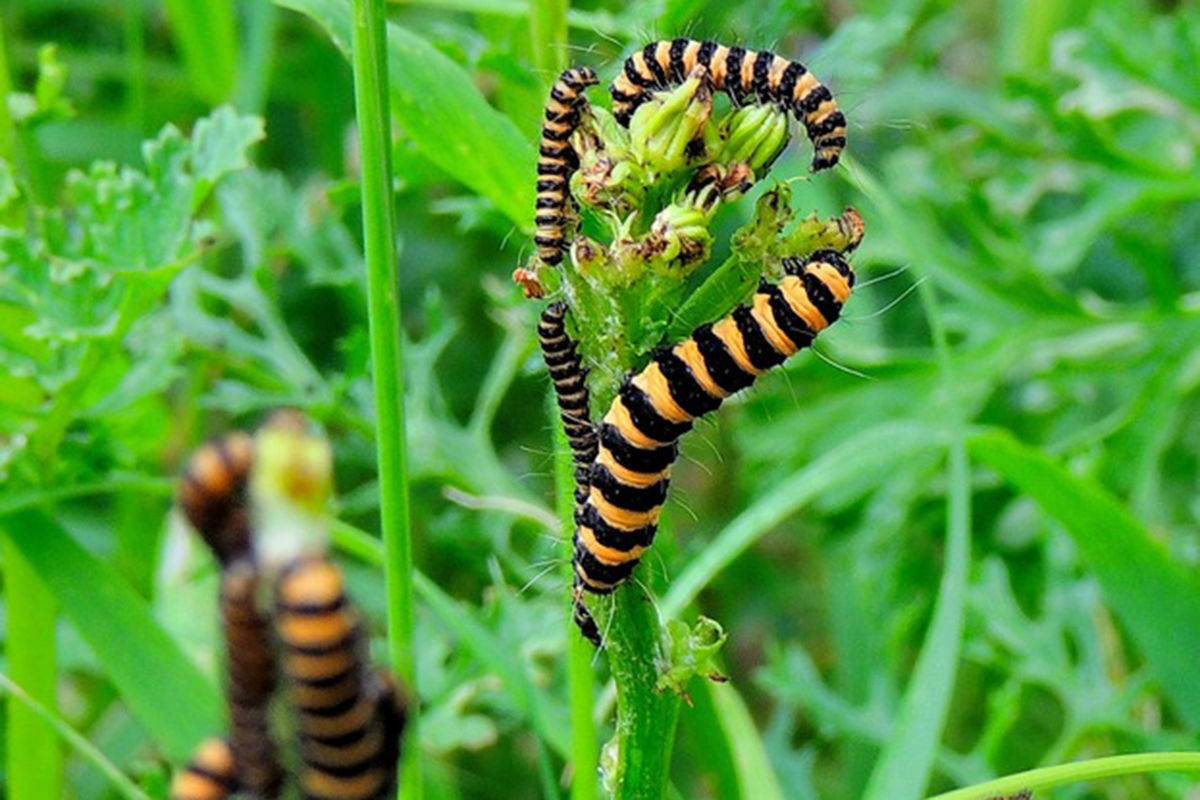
pixel 678 239
pixel 667 131
pixel 692 652
pixel 842 233
pixel 754 135
pixel 606 182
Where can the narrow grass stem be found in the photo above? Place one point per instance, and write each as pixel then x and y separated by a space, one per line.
pixel 75 740
pixel 581 679
pixel 383 301
pixel 548 30
pixel 1038 780
pixel 34 758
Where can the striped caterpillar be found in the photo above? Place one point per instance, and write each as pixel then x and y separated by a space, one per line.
pixel 560 353
pixel 638 437
pixel 350 720
pixel 746 75
pixel 557 160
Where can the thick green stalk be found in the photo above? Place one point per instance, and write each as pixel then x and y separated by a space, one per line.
pixel 383 301
pixel 34 767
pixel 581 679
pixel 646 714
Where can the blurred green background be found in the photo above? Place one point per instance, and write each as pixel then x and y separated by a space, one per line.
pixel 959 540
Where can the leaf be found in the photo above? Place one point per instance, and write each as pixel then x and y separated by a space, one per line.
pixel 176 703
pixel 439 107
pixel 1156 598
pixel 875 450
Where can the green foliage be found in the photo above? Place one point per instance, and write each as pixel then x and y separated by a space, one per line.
pixel 1035 166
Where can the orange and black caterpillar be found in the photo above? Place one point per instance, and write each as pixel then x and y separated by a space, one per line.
pixel 557 160
pixel 251 670
pixel 210 775
pixel 747 76
pixel 640 433
pixel 212 495
pixel 349 720
pixel 561 355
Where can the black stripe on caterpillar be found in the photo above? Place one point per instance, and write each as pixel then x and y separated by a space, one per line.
pixel 746 76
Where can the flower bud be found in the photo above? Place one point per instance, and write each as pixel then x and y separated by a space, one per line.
pixel 667 132
pixel 678 238
pixel 753 135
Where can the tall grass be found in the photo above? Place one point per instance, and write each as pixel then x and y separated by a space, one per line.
pixel 383 298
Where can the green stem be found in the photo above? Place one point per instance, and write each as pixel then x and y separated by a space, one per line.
pixel 135 64
pixel 77 741
pixel 35 761
pixel 383 301
pixel 581 679
pixel 548 29
pixel 8 136
pixel 646 715
pixel 1038 780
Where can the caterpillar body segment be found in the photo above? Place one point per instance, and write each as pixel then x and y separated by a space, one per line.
pixel 347 737
pixel 557 160
pixel 250 659
pixel 747 76
pixel 638 437
pixel 212 495
pixel 210 775
pixel 561 354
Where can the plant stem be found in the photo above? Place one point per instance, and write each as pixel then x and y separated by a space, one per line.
pixel 1075 772
pixel 646 716
pixel 383 301
pixel 581 680
pixel 548 29
pixel 34 766
pixel 8 134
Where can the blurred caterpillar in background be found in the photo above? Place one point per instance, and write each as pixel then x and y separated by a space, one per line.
pixel 348 719
pixel 212 495
pixel 640 433
pixel 561 355
pixel 746 75
pixel 347 753
pixel 557 160
pixel 209 775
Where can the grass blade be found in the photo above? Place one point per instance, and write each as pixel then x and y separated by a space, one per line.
pixel 756 779
pixel 903 769
pixel 1076 772
pixel 207 36
pixel 176 703
pixel 548 29
pixel 387 358
pixel 441 110
pixel 1138 577
pixel 875 450
pixel 34 760
pixel 72 737
pixel 581 679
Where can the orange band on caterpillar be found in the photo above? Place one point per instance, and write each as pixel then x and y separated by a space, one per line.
pixel 638 439
pixel 747 76
pixel 557 160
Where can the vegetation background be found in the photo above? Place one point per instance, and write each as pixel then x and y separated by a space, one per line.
pixel 961 542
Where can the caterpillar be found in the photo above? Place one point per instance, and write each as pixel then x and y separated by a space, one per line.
pixel 745 75
pixel 349 721
pixel 638 437
pixel 561 355
pixel 210 775
pixel 557 160
pixel 251 681
pixel 212 495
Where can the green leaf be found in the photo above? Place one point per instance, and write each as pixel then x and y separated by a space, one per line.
pixel 176 703
pixel 439 107
pixel 207 36
pixel 1156 598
